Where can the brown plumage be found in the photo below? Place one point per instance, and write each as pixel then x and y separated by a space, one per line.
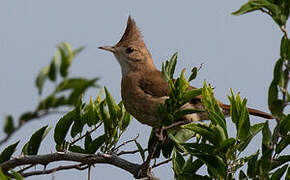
pixel 143 88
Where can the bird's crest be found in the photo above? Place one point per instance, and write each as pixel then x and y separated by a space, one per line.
pixel 131 34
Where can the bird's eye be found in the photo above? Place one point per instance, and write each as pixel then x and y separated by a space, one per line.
pixel 129 50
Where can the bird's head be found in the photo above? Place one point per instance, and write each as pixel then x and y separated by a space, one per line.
pixel 131 51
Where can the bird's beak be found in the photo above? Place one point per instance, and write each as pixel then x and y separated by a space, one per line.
pixel 108 48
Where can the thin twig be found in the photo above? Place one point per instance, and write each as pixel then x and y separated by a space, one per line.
pixel 130 152
pixel 126 142
pixel 59 168
pixel 25 168
pixel 89 172
pixel 283 29
pixel 176 124
pixel 161 163
pixel 81 137
pixel 37 115
pixel 200 66
pixel 88 159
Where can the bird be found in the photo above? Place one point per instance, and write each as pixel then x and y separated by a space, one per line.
pixel 143 88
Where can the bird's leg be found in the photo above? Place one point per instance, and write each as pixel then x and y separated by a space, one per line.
pixel 159 133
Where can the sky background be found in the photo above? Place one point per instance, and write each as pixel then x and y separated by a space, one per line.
pixel 237 52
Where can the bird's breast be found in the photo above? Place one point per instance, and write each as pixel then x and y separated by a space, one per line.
pixel 142 106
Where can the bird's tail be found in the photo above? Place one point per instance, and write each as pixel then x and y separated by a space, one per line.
pixel 252 111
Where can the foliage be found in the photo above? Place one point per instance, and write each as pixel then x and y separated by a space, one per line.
pixel 222 154
pixel 102 121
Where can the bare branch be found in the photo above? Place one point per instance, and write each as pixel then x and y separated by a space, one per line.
pixel 126 142
pixel 37 115
pixel 49 171
pixel 177 124
pixel 161 163
pixel 130 152
pixel 81 137
pixel 88 159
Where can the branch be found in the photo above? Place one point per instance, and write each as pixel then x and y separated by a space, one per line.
pixel 283 29
pixel 161 163
pixel 38 115
pixel 49 171
pixel 176 124
pixel 88 159
pixel 81 137
pixel 126 142
pixel 130 152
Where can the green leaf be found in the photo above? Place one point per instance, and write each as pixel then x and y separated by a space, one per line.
pixel 167 149
pixel 281 160
pixel 177 162
pixel 214 163
pixel 81 88
pixel 75 83
pixel 212 107
pixel 285 48
pixel 193 74
pixel 9 125
pixel 287 177
pixel 169 67
pixel 189 169
pixel 253 165
pixel 66 58
pixel 254 130
pixel 183 135
pixel 78 50
pixel 90 115
pixel 235 108
pixel 17 175
pixel 243 122
pixel 40 79
pixel 272 94
pixel 242 176
pixel 32 146
pixel 285 125
pixel 246 8
pixel 53 67
pixel 265 161
pixel 190 95
pixel 219 133
pixel 126 121
pixel 63 126
pixel 196 165
pixel 267 135
pixel 88 140
pixel 172 64
pixel 78 124
pixel 228 143
pixel 279 173
pixel 284 142
pixel 278 73
pixel 96 144
pixel 2 175
pixel 7 152
pixel 112 106
pixel 254 5
pixel 277 108
pixel 192 148
pixel 141 150
pixel 204 131
pixel 77 149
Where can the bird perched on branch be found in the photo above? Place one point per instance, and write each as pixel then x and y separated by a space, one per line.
pixel 143 88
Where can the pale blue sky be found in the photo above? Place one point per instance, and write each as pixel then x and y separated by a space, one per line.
pixel 237 52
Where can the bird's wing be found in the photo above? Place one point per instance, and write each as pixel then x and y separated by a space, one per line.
pixel 153 84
